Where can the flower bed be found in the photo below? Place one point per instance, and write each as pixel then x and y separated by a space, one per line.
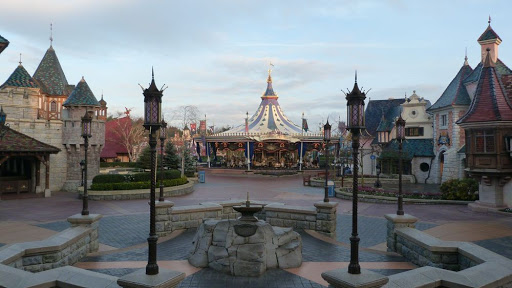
pixel 366 190
pixel 136 185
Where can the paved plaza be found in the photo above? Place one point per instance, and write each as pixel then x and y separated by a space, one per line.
pixel 125 226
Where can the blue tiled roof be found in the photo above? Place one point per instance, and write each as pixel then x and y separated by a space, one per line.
pixel 411 148
pixel 374 110
pixel 81 96
pixel 455 93
pixel 50 76
pixel 502 69
pixel 20 78
pixel 3 43
pixel 475 75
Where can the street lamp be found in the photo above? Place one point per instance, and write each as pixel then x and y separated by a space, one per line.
pixel 86 134
pixel 152 122
pixel 355 123
pixel 163 135
pixel 327 138
pixel 377 183
pixel 400 137
pixel 82 163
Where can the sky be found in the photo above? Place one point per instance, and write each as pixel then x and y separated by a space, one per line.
pixel 216 54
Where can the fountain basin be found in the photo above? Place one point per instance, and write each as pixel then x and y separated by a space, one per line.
pixel 243 248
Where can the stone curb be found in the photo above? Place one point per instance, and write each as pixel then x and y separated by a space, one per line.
pixel 139 193
pixel 384 199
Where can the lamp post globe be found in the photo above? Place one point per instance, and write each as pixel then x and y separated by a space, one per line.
pixel 400 137
pixel 327 138
pixel 86 134
pixel 355 123
pixel 152 123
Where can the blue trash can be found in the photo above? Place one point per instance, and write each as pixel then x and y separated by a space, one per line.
pixel 330 189
pixel 202 176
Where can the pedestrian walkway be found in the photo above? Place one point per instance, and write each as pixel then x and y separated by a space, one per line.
pixel 125 227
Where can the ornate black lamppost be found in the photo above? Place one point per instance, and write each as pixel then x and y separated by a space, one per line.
pixel 163 135
pixel 377 183
pixel 400 136
pixel 355 123
pixel 82 163
pixel 327 138
pixel 152 122
pixel 86 134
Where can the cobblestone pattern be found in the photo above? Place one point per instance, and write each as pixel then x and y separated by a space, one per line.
pixel 169 219
pixel 46 257
pixel 422 256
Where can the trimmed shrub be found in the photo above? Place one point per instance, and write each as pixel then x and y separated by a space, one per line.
pixel 109 178
pixel 136 185
pixel 464 189
pixel 146 176
pixel 119 164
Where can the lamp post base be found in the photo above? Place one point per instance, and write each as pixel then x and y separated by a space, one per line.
pixel 342 279
pixel 139 279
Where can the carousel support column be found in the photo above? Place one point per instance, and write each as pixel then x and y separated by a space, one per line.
pixel 248 157
pixel 47 192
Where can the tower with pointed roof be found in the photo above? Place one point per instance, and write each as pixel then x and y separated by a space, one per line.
pixel 488 128
pixel 45 107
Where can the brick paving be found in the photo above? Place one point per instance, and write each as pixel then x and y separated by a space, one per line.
pixel 125 227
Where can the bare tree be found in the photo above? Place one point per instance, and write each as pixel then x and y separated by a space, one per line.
pixel 184 115
pixel 131 134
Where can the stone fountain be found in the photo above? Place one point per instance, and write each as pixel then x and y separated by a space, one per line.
pixel 245 246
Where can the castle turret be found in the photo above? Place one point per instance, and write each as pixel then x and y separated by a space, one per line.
pixel 489 40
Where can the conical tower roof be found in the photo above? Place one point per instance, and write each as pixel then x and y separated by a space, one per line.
pixel 455 93
pixel 20 78
pixel 81 96
pixel 50 76
pixel 490 102
pixel 269 117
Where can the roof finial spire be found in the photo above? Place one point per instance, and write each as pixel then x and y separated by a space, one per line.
pixel 489 20
pixel 466 57
pixel 152 73
pixel 356 75
pixel 20 59
pixel 51 34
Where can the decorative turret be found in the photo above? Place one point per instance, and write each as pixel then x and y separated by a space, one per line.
pixel 20 78
pixel 102 112
pixel 81 96
pixel 489 40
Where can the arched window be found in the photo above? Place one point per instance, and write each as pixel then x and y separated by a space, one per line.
pixel 53 106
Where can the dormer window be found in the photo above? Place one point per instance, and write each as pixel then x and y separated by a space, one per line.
pixel 443 123
pixel 484 141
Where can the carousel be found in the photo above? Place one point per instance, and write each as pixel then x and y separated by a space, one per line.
pixel 267 140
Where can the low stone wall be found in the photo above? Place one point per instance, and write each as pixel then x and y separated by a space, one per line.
pixel 64 248
pixel 138 193
pixel 321 217
pixel 60 277
pixel 461 264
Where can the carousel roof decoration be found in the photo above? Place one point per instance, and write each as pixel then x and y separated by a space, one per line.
pixel 269 117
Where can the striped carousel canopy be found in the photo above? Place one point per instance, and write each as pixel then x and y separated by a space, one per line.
pixel 269 118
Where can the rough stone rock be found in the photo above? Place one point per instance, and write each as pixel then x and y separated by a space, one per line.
pixel 216 245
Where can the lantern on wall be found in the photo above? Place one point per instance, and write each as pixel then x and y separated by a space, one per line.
pixel 152 106
pixel 400 129
pixel 86 125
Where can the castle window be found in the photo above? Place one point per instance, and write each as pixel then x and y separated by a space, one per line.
pixel 444 120
pixel 414 131
pixel 53 106
pixel 484 141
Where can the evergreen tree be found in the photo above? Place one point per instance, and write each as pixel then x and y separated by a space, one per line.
pixel 144 160
pixel 190 165
pixel 171 159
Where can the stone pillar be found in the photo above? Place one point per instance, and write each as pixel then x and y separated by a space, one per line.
pixel 326 217
pixel 492 192
pixel 91 221
pixel 163 217
pixel 396 222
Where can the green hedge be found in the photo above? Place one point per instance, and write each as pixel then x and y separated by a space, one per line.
pixel 119 164
pixel 109 178
pixel 455 189
pixel 136 185
pixel 146 176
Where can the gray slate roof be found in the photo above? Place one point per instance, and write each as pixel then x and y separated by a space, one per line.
pixel 81 96
pixel 374 110
pixel 455 93
pixel 50 76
